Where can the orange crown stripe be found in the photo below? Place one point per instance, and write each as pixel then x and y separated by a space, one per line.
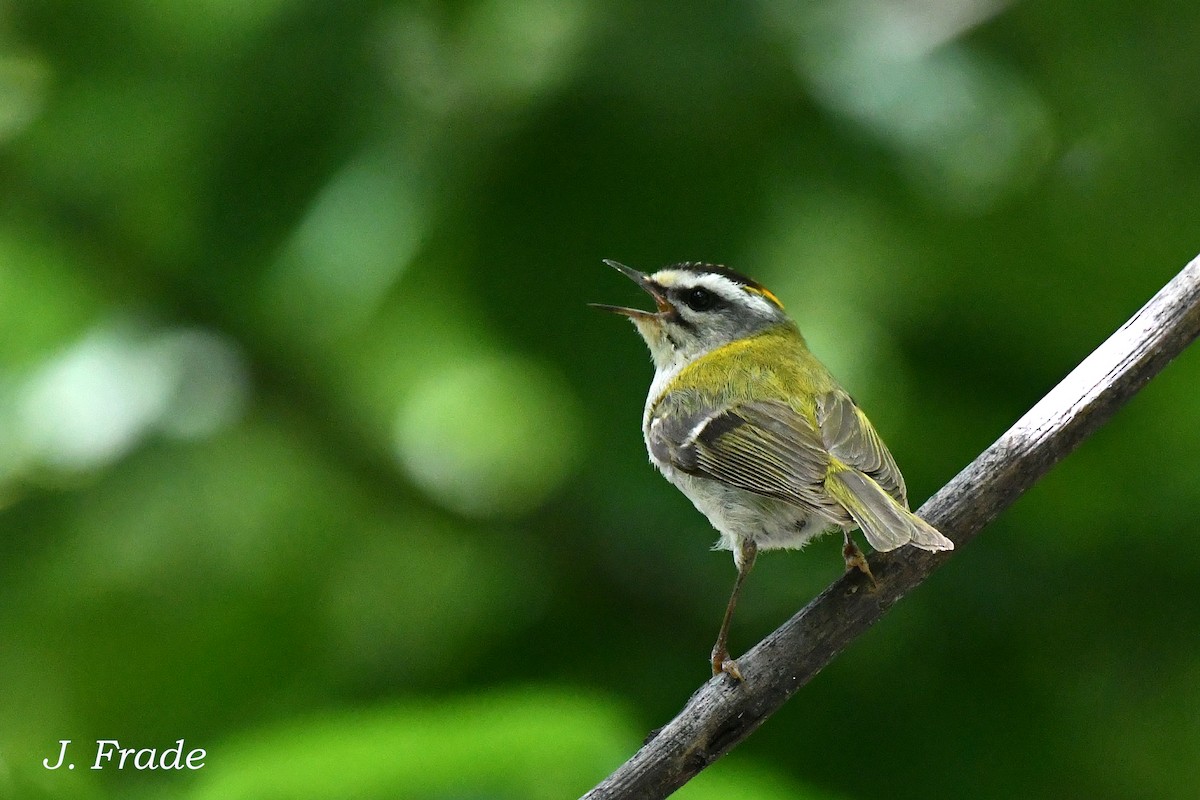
pixel 765 293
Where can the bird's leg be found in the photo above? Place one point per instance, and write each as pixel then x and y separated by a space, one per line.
pixel 744 559
pixel 856 560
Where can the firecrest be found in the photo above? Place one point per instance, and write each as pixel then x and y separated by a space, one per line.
pixel 748 424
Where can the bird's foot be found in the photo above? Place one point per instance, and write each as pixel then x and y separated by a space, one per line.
pixel 721 662
pixel 856 560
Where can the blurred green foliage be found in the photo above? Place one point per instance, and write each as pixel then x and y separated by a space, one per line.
pixel 311 454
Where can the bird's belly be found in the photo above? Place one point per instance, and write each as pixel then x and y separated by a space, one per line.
pixel 738 514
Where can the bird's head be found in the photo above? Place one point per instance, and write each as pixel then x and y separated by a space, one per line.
pixel 700 307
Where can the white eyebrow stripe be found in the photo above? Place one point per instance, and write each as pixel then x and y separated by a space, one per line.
pixel 718 285
pixel 723 287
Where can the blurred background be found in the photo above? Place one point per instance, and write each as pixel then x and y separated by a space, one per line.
pixel 312 455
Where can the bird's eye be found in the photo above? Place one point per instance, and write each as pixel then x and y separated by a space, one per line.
pixel 699 299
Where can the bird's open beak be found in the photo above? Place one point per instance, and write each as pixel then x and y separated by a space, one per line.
pixel 644 281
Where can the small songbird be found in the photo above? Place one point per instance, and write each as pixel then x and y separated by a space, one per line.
pixel 748 424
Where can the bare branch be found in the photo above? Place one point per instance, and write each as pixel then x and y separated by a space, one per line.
pixel 723 712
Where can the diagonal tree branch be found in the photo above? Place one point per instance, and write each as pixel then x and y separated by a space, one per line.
pixel 722 712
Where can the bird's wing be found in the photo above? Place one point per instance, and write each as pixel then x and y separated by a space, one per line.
pixel 869 485
pixel 850 438
pixel 764 447
pixel 836 465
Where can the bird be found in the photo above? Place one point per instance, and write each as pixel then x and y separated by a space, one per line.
pixel 746 422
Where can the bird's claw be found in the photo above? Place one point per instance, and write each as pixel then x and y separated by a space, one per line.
pixel 722 663
pixel 856 560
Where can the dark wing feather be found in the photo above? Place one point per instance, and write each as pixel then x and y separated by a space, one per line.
pixel 848 435
pixel 763 447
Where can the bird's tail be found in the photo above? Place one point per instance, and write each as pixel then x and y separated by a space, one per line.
pixel 886 524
